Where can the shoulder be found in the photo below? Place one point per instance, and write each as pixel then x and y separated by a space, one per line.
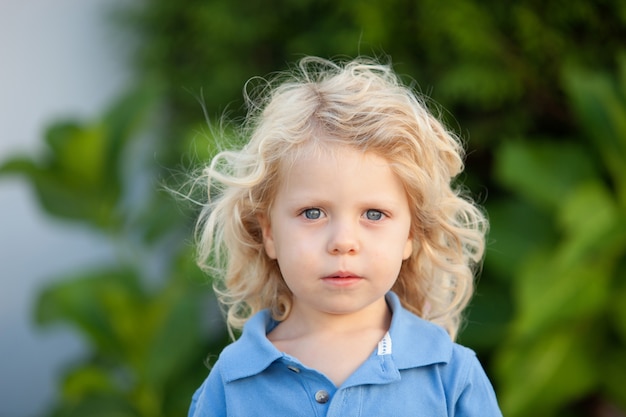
pixel 421 342
pixel 467 385
pixel 247 356
pixel 425 348
pixel 209 399
pixel 251 353
pixel 462 366
pixel 416 342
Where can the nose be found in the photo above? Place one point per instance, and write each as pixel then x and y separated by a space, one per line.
pixel 344 238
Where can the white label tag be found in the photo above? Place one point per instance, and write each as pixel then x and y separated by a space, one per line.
pixel 384 346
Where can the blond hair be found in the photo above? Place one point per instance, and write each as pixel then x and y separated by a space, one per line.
pixel 364 105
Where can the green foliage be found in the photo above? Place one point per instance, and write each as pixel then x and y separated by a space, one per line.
pixel 539 88
pixel 79 176
pixel 141 340
pixel 142 325
pixel 567 285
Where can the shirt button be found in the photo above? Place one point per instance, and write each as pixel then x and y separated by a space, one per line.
pixel 294 369
pixel 322 396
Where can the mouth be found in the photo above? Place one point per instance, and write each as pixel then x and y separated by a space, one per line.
pixel 342 278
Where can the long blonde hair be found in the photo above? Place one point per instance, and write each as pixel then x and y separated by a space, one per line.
pixel 362 104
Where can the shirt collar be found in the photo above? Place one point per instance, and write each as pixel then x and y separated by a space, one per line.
pixel 415 343
pixel 252 353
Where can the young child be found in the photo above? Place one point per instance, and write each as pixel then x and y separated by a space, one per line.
pixel 346 253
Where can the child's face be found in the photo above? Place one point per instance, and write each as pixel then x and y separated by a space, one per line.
pixel 339 229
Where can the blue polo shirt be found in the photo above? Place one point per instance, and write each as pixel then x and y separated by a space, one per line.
pixel 415 371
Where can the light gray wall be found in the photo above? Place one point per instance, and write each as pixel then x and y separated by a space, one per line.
pixel 58 59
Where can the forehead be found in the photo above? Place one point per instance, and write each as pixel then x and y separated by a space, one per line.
pixel 313 153
pixel 318 170
pixel 327 150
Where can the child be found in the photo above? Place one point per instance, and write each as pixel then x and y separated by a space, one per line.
pixel 346 253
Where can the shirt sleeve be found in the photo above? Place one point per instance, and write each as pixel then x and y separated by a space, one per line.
pixel 475 396
pixel 209 400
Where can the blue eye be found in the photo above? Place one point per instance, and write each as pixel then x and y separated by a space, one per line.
pixel 312 213
pixel 373 214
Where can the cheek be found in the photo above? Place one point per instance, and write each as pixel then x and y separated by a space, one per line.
pixel 287 245
pixel 295 249
pixel 297 252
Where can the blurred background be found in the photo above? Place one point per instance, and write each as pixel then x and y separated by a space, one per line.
pixel 102 310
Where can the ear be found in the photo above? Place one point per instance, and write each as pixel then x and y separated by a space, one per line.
pixel 408 249
pixel 268 239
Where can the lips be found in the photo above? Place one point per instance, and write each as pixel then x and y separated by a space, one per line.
pixel 342 278
pixel 343 274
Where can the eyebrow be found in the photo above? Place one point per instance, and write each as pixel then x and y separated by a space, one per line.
pixel 370 202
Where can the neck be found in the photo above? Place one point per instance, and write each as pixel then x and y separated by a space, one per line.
pixel 304 321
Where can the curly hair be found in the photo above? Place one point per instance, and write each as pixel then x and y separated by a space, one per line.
pixel 360 104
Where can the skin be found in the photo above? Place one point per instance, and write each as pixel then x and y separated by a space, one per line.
pixel 339 230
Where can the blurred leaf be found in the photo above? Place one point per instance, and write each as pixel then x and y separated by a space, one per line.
pixel 79 176
pixel 549 293
pixel 517 229
pixel 126 117
pixel 162 216
pixel 102 305
pixel 487 318
pixel 600 103
pixel 72 185
pixel 176 335
pixel 77 153
pixel 567 287
pixel 543 172
pixel 574 280
pixel 536 377
pixel 613 371
pixel 85 381
pixel 480 83
pixel 144 339
pixel 589 210
pixel 593 225
pixel 202 142
pixel 100 405
pixel 617 307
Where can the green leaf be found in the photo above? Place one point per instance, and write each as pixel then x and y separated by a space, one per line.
pixel 97 406
pixel 85 381
pixel 125 118
pixel 536 377
pixel 599 100
pixel 176 337
pixel 617 307
pixel 79 177
pixel 517 229
pixel 72 182
pixel 593 225
pixel 488 317
pixel 613 369
pixel 102 305
pixel 550 293
pixel 543 172
pixel 479 83
pixel 77 153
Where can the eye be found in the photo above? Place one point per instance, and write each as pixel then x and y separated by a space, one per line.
pixel 312 213
pixel 372 214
